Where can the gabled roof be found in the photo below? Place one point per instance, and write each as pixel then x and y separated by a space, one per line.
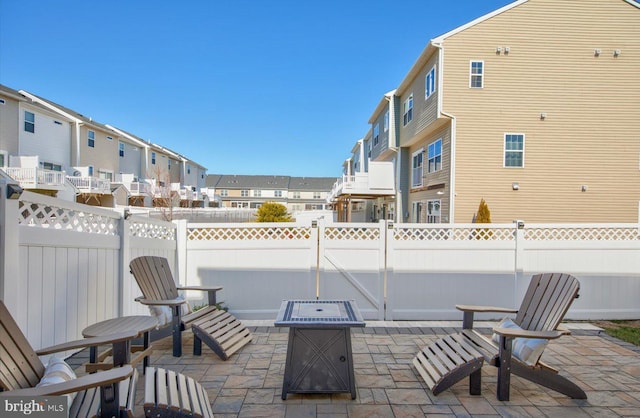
pixel 312 183
pixel 235 181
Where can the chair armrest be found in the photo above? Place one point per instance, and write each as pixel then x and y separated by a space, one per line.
pixel 88 342
pixel 161 302
pixel 564 330
pixel 475 308
pixel 522 333
pixel 116 374
pixel 202 288
pixel 211 292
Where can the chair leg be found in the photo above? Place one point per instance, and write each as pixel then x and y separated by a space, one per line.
pixel 197 345
pixel 549 379
pixel 475 382
pixel 109 400
pixel 504 368
pixel 176 325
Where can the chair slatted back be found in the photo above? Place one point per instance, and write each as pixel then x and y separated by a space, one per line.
pixel 20 366
pixel 546 301
pixel 154 277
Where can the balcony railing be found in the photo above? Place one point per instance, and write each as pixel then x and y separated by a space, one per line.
pixel 36 178
pixel 91 184
pixel 138 188
pixel 378 181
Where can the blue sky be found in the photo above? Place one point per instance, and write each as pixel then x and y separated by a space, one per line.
pixel 277 87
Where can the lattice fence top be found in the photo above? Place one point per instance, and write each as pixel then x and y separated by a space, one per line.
pixel 45 216
pixel 452 234
pixel 609 233
pixel 249 233
pixel 142 229
pixel 352 233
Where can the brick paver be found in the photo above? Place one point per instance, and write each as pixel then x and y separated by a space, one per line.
pixel 249 384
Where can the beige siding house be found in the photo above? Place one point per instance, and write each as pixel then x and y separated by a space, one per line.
pixel 535 108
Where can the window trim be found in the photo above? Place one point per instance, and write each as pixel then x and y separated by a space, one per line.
pixel 504 150
pixel 121 147
pixel 407 110
pixel 429 81
pixel 419 152
pixel 376 134
pixel 31 123
pixel 153 158
pixel 429 158
pixel 439 215
pixel 91 138
pixel 472 75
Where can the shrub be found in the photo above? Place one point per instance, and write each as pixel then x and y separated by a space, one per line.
pixel 483 217
pixel 273 212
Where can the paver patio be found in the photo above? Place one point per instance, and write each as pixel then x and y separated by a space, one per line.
pixel 249 384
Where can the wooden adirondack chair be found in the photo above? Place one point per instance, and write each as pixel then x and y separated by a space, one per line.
pixel 450 359
pixel 107 394
pixel 221 331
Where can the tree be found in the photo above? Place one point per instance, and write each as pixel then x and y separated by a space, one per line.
pixel 273 212
pixel 164 197
pixel 484 215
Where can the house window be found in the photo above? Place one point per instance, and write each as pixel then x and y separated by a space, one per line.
pixel 277 193
pixel 407 110
pixel 224 193
pixel 435 156
pixel 188 168
pixel 386 121
pixel 121 149
pixel 430 83
pixel 2 159
pixel 106 175
pixel 317 195
pixel 51 166
pixel 169 164
pixel 376 134
pixel 476 79
pixel 513 150
pixel 244 193
pixel 90 169
pixel 296 195
pixel 416 167
pixel 433 211
pixel 153 158
pixel 29 122
pixel 257 193
pixel 369 150
pixel 91 139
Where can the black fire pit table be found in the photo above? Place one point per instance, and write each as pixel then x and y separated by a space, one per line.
pixel 319 357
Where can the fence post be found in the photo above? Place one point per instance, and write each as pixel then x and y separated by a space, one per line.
pixel 181 251
pixel 125 257
pixel 520 246
pixel 9 242
pixel 388 266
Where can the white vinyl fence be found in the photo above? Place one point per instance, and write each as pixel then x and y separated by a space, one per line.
pixel 413 271
pixel 64 265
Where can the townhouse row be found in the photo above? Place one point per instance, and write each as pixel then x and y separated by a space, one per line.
pixel 534 107
pixel 54 150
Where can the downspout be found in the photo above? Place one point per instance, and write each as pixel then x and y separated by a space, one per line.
pixel 396 149
pixel 452 175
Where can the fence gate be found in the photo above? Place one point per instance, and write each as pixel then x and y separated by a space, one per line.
pixel 351 265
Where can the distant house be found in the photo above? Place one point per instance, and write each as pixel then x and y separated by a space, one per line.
pixel 49 148
pixel 534 107
pixel 252 191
